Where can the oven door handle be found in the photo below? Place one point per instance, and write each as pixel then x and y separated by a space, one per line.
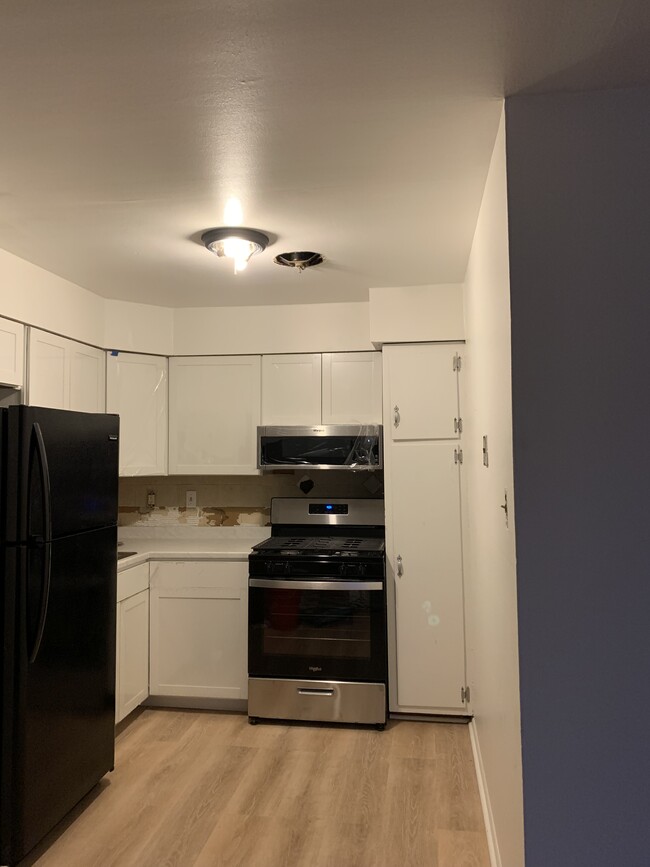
pixel 273 584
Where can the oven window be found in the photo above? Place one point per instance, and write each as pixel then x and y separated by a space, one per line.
pixel 312 623
pixel 334 633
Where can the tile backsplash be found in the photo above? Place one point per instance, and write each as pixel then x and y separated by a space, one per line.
pixel 228 501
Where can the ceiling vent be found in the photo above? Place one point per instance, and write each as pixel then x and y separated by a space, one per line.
pixel 299 259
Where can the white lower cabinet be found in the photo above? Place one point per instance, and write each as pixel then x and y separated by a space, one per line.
pixel 199 629
pixel 132 640
pixel 425 570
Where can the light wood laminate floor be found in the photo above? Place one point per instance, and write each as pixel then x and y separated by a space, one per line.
pixel 206 789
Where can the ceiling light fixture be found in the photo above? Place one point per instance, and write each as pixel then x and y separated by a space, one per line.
pixel 299 259
pixel 235 243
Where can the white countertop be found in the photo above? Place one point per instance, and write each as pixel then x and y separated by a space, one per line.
pixel 188 543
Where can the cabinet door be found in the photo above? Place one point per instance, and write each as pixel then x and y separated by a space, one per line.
pixel 214 414
pixel 351 388
pixel 136 389
pixel 424 514
pixel 132 682
pixel 421 391
pixel 12 353
pixel 48 370
pixel 199 629
pixel 87 378
pixel 291 389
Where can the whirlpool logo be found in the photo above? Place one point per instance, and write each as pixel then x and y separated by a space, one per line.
pixel 315 668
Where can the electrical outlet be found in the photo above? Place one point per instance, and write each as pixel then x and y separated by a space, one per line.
pixel 190 499
pixel 151 499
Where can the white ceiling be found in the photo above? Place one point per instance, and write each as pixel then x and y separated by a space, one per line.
pixel 361 130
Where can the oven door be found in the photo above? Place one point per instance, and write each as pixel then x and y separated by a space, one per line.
pixel 321 630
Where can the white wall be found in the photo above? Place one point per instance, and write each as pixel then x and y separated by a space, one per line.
pixel 35 296
pixel 133 327
pixel 416 314
pixel 285 328
pixel 491 599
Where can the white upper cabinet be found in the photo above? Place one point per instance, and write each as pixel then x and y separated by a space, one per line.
pixel 314 389
pixel 48 370
pixel 351 388
pixel 291 389
pixel 87 378
pixel 214 414
pixel 136 389
pixel 64 374
pixel 12 353
pixel 422 391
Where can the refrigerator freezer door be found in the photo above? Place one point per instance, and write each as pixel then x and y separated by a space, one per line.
pixel 62 471
pixel 63 721
pixel 7 706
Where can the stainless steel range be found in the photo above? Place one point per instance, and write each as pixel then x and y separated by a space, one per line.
pixel 317 613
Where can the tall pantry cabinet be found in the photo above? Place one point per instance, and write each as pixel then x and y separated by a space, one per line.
pixel 422 458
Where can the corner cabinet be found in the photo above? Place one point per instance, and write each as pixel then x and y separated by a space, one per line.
pixel 214 412
pixel 65 374
pixel 136 389
pixel 199 617
pixel 132 640
pixel 422 461
pixel 12 353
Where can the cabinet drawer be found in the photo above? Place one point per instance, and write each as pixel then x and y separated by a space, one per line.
pixel 132 581
pixel 183 575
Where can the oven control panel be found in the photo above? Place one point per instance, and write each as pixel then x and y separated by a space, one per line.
pixel 328 508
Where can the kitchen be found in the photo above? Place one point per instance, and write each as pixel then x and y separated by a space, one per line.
pixel 420 313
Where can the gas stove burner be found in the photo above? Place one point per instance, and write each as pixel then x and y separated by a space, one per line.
pixel 330 545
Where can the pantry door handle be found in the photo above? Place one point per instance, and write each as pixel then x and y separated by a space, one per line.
pixel 400 566
pixel 397 418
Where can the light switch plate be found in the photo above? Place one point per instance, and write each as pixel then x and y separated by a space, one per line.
pixel 190 499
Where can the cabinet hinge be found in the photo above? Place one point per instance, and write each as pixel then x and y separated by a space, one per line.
pixel 464 694
pixel 457 362
pixel 458 425
pixel 458 456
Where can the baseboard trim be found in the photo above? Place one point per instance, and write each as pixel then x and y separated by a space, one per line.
pixel 488 818
pixel 462 719
pixel 238 705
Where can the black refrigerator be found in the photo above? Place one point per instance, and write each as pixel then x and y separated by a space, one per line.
pixel 58 554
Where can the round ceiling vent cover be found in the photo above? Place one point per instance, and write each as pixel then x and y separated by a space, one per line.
pixel 299 259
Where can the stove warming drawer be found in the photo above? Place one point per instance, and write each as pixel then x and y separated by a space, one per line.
pixel 317 701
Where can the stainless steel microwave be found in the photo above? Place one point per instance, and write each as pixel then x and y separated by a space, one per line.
pixel 322 447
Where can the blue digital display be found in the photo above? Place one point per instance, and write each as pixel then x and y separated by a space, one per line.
pixel 328 508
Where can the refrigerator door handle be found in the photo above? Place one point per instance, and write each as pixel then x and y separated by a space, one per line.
pixel 45 598
pixel 44 541
pixel 44 472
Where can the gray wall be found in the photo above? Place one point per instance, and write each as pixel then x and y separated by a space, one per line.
pixel 579 228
